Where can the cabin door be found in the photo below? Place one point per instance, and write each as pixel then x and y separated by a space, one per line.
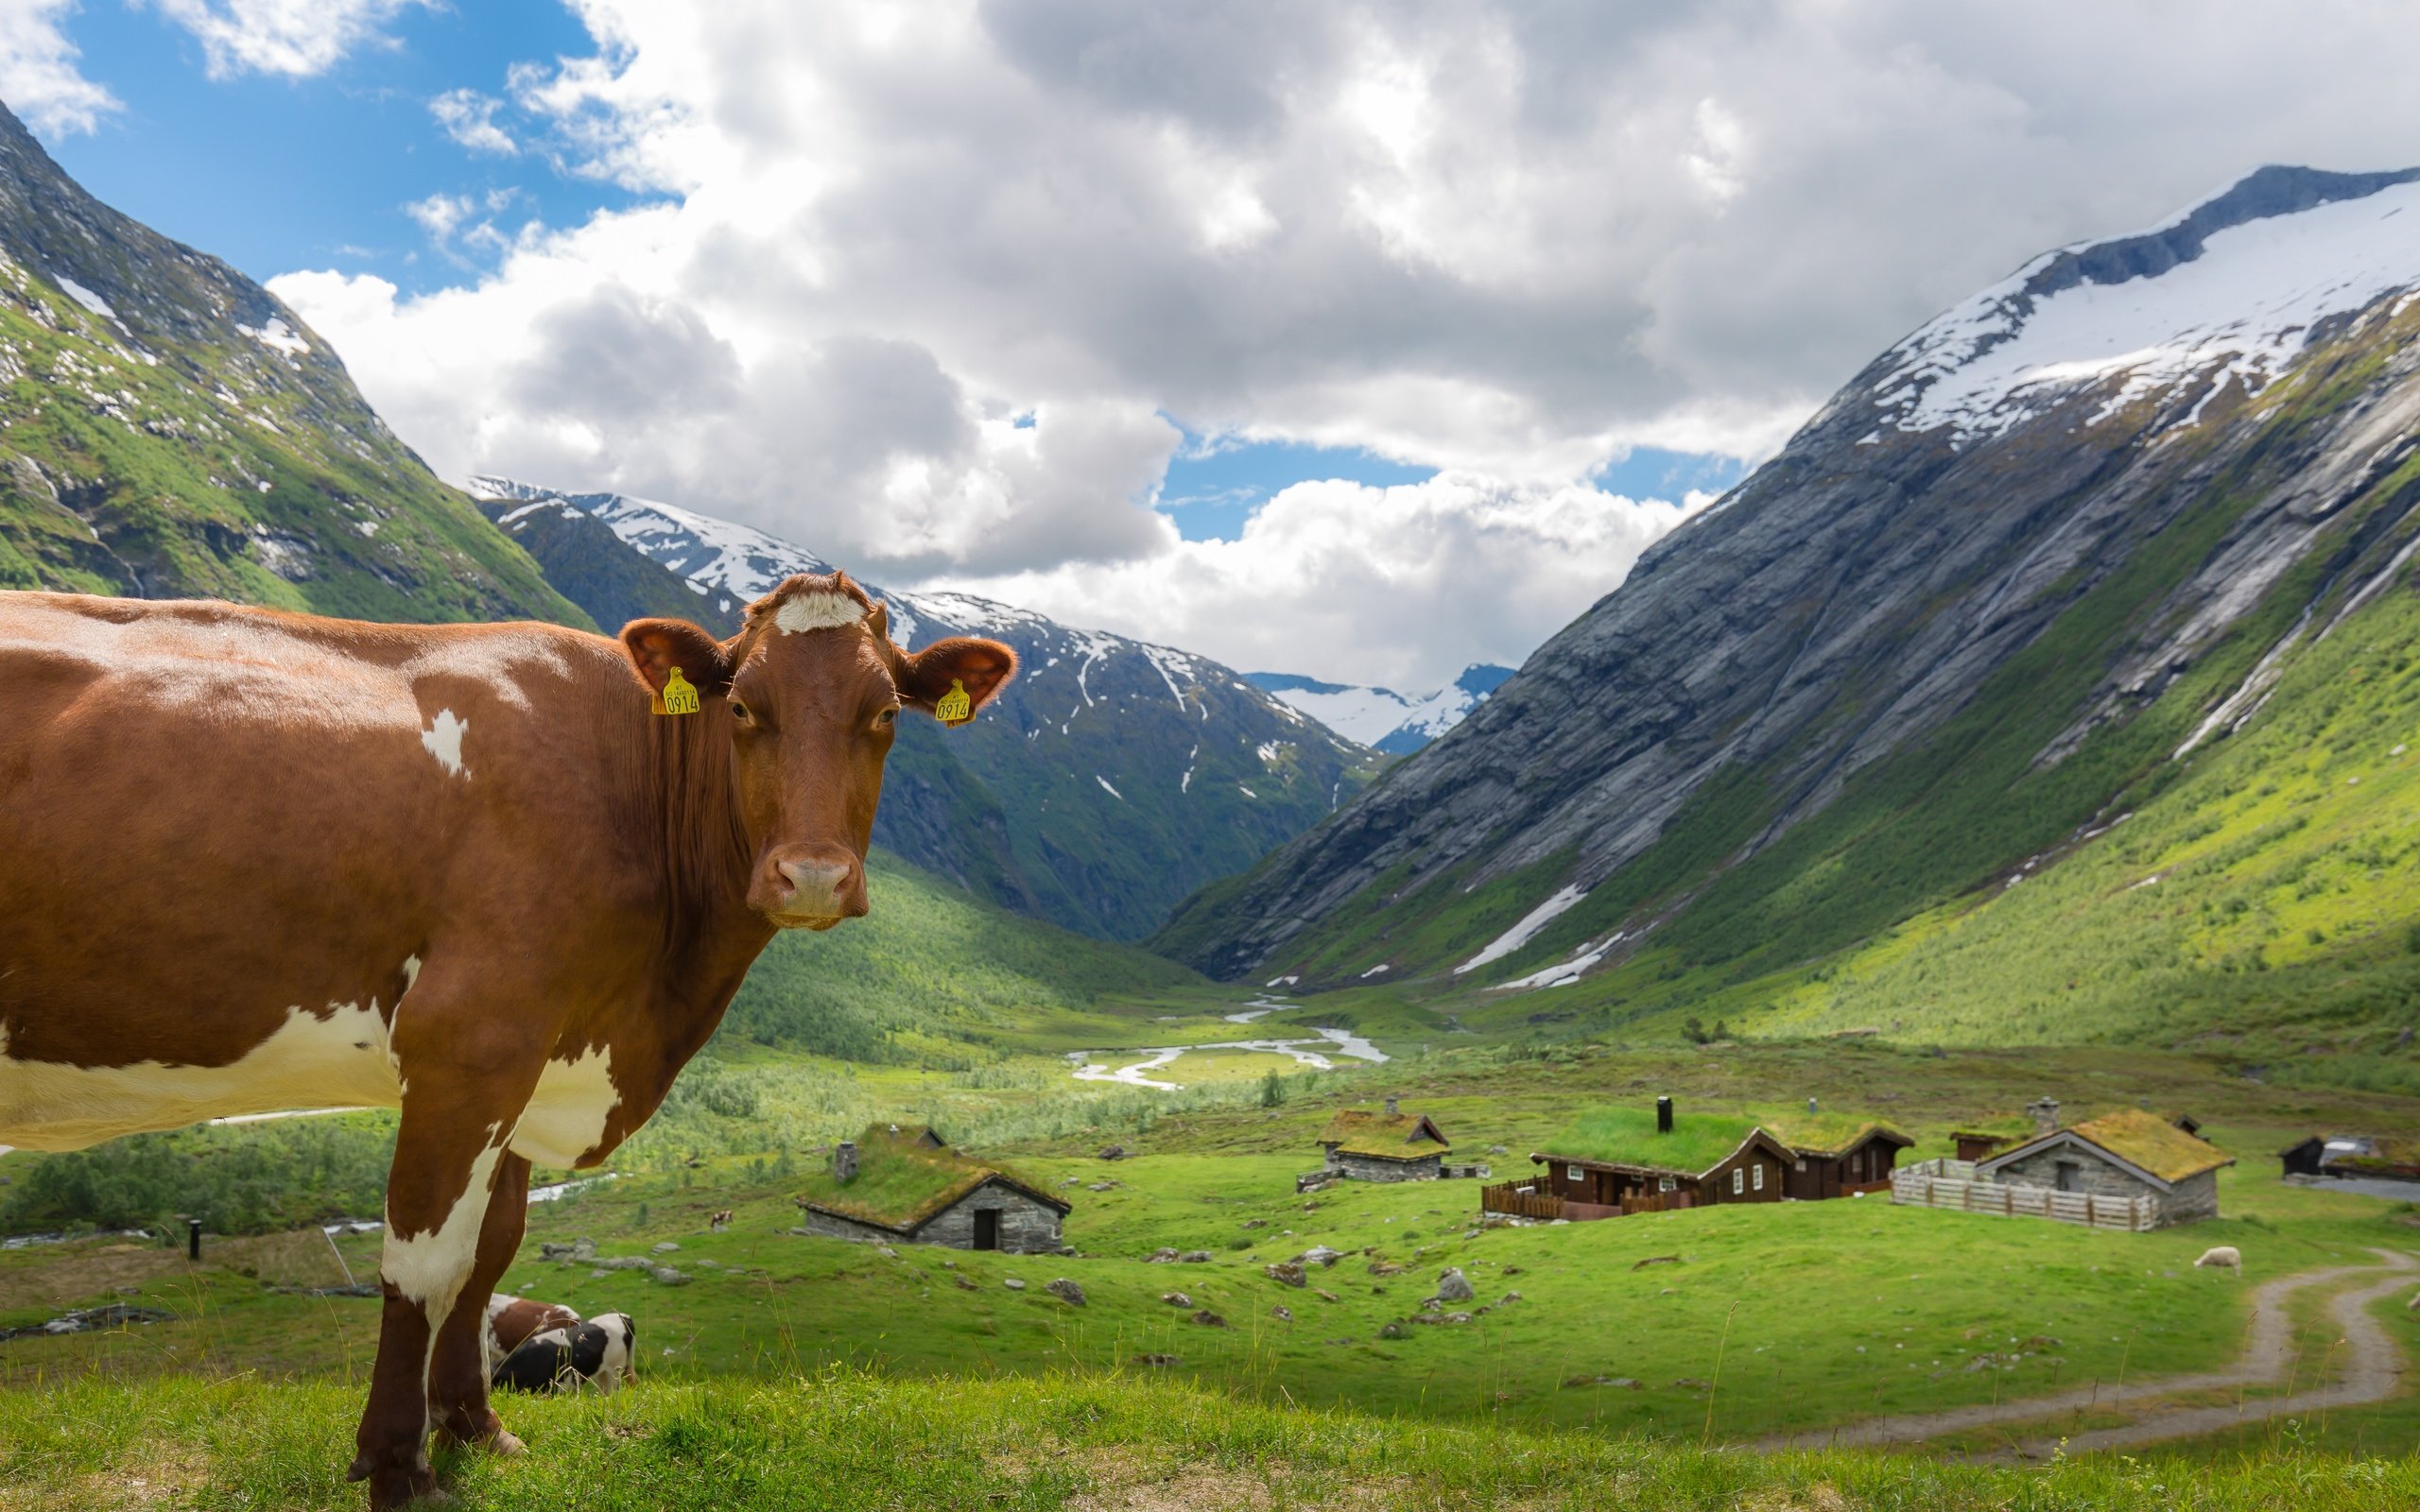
pixel 987 1228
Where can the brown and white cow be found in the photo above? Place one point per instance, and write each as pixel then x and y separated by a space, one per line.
pixel 251 860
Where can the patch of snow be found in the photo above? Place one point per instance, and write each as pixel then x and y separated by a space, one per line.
pixel 1375 970
pixel 1246 791
pixel 278 337
pixel 2239 312
pixel 1525 929
pixel 85 296
pixel 1113 792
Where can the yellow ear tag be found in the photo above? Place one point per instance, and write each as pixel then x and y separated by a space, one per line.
pixel 677 697
pixel 954 708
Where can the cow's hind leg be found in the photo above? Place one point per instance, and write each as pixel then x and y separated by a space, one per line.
pixel 457 1380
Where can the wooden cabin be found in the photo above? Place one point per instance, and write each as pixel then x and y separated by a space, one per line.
pixel 1617 1160
pixel 2381 1158
pixel 900 1184
pixel 1834 1155
pixel 1393 1145
pixel 2127 1153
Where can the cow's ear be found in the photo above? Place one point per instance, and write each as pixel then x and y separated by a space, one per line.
pixel 657 646
pixel 952 679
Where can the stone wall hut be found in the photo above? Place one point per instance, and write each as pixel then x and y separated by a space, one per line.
pixel 1835 1153
pixel 1390 1147
pixel 1617 1160
pixel 2376 1157
pixel 2127 1153
pixel 900 1184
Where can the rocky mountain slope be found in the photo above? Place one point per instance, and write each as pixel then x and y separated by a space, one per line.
pixel 1390 723
pixel 168 428
pixel 2038 564
pixel 1112 779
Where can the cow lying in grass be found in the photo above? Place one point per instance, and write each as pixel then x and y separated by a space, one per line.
pixel 600 1352
pixel 503 877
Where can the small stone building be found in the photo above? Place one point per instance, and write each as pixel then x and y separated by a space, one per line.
pixel 1390 1147
pixel 900 1184
pixel 2376 1156
pixel 2128 1154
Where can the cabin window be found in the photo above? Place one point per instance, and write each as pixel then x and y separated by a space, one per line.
pixel 1572 1172
pixel 1664 1184
pixel 1739 1180
pixel 1760 1176
pixel 1802 1165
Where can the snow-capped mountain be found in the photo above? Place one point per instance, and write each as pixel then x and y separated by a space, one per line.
pixel 1384 720
pixel 2036 554
pixel 1112 778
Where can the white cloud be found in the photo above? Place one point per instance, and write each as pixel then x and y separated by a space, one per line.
pixel 297 38
pixel 469 117
pixel 39 77
pixel 1505 240
pixel 1399 586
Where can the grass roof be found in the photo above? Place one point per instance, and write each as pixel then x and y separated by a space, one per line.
pixel 1828 1133
pixel 1999 1126
pixel 899 1183
pixel 1388 1137
pixel 2383 1154
pixel 2153 1143
pixel 1627 1136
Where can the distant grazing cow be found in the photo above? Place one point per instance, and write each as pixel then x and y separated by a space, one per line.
pixel 503 877
pixel 513 1321
pixel 2221 1257
pixel 720 1221
pixel 539 1362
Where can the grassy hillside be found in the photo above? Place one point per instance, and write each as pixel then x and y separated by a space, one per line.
pixel 1079 1442
pixel 173 430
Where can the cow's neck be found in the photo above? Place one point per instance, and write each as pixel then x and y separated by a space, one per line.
pixel 684 808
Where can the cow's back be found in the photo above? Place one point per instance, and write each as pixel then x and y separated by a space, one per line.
pixel 232 832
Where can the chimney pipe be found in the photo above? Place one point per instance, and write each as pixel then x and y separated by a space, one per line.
pixel 1390 1105
pixel 844 1160
pixel 1663 1115
pixel 1810 1104
pixel 2044 1111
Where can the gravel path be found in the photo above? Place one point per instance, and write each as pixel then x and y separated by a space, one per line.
pixel 2373 1370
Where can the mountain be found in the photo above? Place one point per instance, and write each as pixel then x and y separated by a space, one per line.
pixel 1110 779
pixel 1387 722
pixel 168 428
pixel 2067 581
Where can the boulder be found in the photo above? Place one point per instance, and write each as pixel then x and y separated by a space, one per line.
pixel 1286 1273
pixel 1320 1255
pixel 1196 1257
pixel 1161 1257
pixel 667 1276
pixel 1066 1291
pixel 1282 1313
pixel 1013 1284
pixel 1176 1299
pixel 1453 1286
pixel 1114 1152
pixel 664 1248
pixel 1209 1319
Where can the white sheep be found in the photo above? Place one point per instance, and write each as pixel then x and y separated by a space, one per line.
pixel 2221 1257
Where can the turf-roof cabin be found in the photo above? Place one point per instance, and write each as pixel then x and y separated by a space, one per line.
pixel 2379 1157
pixel 2127 1153
pixel 1835 1154
pixel 1617 1160
pixel 901 1183
pixel 1389 1146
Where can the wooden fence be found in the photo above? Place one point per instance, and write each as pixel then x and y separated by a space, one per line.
pixel 1507 1197
pixel 1929 1186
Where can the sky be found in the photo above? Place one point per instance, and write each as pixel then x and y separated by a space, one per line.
pixel 1361 341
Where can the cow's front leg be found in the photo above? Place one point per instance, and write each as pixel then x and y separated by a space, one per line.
pixel 439 1193
pixel 457 1379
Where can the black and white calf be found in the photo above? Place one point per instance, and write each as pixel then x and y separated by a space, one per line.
pixel 595 1353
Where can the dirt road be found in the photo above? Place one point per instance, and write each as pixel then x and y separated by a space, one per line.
pixel 2371 1371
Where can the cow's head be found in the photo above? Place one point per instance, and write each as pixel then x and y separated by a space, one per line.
pixel 810 690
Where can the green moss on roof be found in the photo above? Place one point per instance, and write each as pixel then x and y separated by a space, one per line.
pixel 2010 1127
pixel 1829 1133
pixel 2151 1142
pixel 1401 1137
pixel 899 1184
pixel 1627 1136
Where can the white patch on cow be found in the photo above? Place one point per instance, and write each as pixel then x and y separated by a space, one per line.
pixel 442 739
pixel 566 1116
pixel 337 1055
pixel 430 1267
pixel 615 1367
pixel 817 611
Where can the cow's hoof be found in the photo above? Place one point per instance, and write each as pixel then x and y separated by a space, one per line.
pixel 504 1445
pixel 392 1490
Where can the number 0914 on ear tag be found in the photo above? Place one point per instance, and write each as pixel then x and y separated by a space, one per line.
pixel 678 698
pixel 955 707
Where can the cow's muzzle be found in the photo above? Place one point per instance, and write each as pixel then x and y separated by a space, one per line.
pixel 811 886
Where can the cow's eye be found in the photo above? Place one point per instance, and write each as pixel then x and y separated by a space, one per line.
pixel 741 713
pixel 886 718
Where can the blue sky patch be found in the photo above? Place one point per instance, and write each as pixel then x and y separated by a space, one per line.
pixel 1213 486
pixel 276 174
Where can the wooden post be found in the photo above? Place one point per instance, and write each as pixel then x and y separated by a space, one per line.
pixel 193 1238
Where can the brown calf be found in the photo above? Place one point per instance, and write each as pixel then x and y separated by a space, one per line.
pixel 256 861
